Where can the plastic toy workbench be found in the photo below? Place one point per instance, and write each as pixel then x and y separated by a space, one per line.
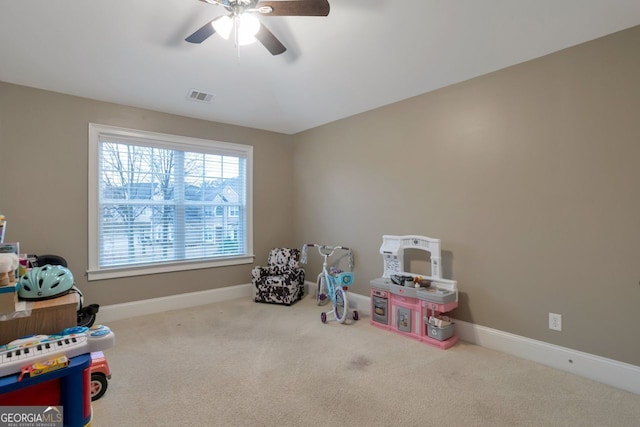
pixel 402 307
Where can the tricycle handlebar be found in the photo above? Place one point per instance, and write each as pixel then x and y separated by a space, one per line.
pixel 325 251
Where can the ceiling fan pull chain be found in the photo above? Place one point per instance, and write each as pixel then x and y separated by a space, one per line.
pixel 236 30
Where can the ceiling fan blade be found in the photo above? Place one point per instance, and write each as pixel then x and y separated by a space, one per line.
pixel 296 8
pixel 202 34
pixel 270 41
pixel 224 3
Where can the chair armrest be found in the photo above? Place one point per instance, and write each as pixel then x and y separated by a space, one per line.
pixel 258 272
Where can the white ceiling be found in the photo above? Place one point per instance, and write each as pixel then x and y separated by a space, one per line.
pixel 365 54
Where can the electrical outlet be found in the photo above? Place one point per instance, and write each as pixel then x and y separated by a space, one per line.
pixel 555 321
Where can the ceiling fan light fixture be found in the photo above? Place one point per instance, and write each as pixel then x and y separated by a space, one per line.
pixel 223 26
pixel 248 27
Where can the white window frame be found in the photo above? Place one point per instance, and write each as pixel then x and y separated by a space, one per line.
pixel 95 272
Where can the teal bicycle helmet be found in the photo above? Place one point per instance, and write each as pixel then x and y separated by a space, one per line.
pixel 45 282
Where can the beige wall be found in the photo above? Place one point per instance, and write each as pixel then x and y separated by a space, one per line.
pixel 43 186
pixel 530 176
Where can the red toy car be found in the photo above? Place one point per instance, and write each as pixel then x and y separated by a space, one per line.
pixel 100 373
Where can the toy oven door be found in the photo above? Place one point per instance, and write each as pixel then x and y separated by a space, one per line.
pixel 380 309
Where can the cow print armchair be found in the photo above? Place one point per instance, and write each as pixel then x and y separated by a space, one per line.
pixel 282 280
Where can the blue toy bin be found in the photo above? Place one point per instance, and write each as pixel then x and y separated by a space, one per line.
pixel 344 278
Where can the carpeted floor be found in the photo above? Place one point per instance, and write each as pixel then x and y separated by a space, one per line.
pixel 239 363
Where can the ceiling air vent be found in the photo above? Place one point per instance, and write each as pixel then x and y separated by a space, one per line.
pixel 198 95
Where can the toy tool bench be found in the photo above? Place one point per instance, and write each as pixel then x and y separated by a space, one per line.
pixel 412 304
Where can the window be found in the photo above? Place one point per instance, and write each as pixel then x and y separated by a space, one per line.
pixel 152 199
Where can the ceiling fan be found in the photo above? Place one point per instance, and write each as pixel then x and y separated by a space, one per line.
pixel 247 28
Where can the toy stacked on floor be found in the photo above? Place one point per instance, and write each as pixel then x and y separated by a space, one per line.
pixel 66 369
pixel 22 353
pixel 8 283
pixel 413 304
pixel 86 314
pixel 54 370
pixel 8 265
pixel 3 227
pixel 8 258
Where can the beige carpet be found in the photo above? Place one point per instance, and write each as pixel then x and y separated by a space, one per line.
pixel 240 363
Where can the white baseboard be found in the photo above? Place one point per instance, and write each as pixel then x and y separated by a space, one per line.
pixel 127 310
pixel 611 372
pixel 608 371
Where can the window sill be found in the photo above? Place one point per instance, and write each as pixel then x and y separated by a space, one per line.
pixel 117 272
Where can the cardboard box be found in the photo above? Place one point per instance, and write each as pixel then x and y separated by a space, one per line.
pixel 45 317
pixel 8 299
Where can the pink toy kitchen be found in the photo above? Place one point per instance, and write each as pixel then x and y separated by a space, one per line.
pixel 413 304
